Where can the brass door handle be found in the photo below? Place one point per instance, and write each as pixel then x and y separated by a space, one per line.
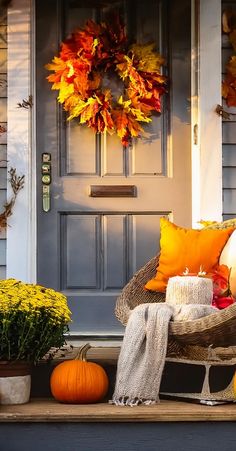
pixel 46 181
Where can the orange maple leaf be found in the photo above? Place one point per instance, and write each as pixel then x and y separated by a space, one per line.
pixel 121 121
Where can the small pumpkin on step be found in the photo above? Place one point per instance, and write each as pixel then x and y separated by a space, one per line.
pixel 78 381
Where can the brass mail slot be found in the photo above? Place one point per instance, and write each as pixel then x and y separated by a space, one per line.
pixel 113 191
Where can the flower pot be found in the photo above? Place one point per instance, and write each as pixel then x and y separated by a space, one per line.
pixel 15 382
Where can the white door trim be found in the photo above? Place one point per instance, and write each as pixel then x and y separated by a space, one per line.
pixel 206 124
pixel 206 153
pixel 21 233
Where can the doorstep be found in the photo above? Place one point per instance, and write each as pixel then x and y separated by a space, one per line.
pixel 50 411
pixel 42 408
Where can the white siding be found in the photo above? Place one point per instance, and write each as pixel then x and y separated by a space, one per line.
pixel 3 137
pixel 228 138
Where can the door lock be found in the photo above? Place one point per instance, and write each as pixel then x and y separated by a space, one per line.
pixel 46 181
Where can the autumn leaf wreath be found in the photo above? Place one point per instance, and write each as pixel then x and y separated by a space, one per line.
pixel 108 84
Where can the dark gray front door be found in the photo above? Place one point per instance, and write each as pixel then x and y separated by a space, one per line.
pixel 90 247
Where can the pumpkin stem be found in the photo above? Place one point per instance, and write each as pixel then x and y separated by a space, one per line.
pixel 82 352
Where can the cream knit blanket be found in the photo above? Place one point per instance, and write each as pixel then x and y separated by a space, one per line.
pixel 143 352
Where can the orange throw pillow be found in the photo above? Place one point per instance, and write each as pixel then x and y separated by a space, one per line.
pixel 181 248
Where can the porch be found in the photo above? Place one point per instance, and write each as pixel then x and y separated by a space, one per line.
pixel 171 425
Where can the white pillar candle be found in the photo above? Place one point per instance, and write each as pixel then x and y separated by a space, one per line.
pixel 189 290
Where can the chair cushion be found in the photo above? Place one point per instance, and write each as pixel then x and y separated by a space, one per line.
pixel 181 248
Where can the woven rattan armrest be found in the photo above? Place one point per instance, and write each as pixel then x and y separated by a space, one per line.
pixel 218 329
pixel 134 293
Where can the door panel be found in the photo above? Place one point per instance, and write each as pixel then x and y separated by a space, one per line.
pixel 89 247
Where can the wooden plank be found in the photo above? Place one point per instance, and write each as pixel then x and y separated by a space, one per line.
pixel 229 155
pixel 48 410
pixel 229 133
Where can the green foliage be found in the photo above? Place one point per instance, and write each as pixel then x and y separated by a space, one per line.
pixel 32 320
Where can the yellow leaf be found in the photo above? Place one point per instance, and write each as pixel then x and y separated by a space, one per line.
pixel 140 116
pixel 66 89
pixel 77 109
pixel 56 64
pixel 89 110
pixel 95 44
pixel 148 59
pixel 71 71
pixel 71 102
pixel 124 103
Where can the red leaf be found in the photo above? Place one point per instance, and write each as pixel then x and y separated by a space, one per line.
pixel 222 302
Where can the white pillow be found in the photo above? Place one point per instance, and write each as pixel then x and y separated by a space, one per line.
pixel 228 257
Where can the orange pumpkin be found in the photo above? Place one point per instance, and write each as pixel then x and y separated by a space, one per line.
pixel 78 381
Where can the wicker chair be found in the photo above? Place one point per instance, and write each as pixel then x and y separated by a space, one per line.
pixel 216 330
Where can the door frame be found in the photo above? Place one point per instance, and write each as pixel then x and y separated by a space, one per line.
pixel 21 148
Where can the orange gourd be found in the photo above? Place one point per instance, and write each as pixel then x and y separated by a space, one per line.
pixel 78 381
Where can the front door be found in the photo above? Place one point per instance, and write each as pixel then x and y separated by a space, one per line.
pixel 89 247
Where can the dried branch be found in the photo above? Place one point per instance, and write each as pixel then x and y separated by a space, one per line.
pixel 3 83
pixel 26 103
pixel 16 181
pixel 65 351
pixel 17 184
pixel 2 129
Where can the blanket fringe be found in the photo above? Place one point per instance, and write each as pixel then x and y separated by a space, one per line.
pixel 132 402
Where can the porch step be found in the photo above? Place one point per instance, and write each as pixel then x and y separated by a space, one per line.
pixel 47 425
pixel 48 410
pixel 104 356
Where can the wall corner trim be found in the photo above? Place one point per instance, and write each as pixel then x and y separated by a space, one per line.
pixel 21 232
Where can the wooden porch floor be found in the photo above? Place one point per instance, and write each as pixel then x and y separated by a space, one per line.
pixel 48 410
pixel 44 409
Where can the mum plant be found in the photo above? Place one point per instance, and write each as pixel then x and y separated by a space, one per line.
pixel 32 320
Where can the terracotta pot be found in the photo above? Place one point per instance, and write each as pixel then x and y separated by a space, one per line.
pixel 15 382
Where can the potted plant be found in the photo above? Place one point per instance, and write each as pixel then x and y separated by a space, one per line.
pixel 32 320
